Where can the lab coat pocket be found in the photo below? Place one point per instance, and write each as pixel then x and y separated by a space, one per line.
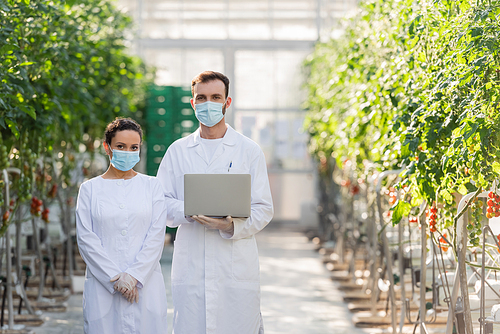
pixel 180 261
pixel 97 300
pixel 245 260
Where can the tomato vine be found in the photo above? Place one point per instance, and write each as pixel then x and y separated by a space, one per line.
pixel 65 73
pixel 412 85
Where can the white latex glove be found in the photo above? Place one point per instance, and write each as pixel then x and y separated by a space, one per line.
pixel 132 295
pixel 124 282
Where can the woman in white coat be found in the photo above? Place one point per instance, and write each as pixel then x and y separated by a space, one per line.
pixel 120 223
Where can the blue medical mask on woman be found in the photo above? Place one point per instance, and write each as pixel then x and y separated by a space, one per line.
pixel 209 113
pixel 125 160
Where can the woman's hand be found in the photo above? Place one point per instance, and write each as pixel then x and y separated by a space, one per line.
pixel 132 295
pixel 126 284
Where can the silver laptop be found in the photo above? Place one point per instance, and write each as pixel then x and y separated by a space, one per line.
pixel 217 195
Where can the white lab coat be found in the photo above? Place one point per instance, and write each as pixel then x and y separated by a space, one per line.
pixel 120 227
pixel 215 277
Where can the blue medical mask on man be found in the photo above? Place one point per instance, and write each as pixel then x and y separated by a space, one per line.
pixel 125 160
pixel 209 113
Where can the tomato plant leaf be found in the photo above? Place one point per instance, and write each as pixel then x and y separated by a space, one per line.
pixel 28 110
pixel 12 126
pixel 496 167
pixel 399 210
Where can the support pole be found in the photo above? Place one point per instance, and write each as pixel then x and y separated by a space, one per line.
pixel 8 254
pixel 423 267
pixel 36 240
pixel 401 276
pixel 374 260
pixel 385 243
pixel 462 273
pixel 19 268
pixel 460 280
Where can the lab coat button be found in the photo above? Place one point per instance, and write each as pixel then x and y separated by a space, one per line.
pixel 122 206
pixel 119 183
pixel 124 233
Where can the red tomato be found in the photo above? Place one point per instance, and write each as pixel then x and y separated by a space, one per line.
pixel 6 216
pixel 53 191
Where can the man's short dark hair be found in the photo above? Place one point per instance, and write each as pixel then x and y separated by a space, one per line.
pixel 207 76
pixel 120 124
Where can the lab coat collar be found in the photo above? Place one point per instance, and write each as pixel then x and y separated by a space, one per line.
pixel 230 137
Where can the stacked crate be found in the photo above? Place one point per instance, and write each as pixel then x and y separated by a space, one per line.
pixel 169 116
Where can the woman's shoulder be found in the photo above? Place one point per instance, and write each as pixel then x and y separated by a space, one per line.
pixel 90 182
pixel 89 187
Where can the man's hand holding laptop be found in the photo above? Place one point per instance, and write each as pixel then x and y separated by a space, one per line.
pixel 224 224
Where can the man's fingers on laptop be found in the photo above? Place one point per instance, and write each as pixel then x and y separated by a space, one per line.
pixel 214 223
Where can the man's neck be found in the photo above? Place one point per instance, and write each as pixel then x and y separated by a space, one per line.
pixel 215 132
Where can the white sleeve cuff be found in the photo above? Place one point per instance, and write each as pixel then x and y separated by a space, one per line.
pixel 239 224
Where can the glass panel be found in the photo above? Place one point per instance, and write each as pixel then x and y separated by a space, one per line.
pixel 280 5
pixel 168 65
pixel 163 5
pixel 244 5
pixel 200 29
pixel 254 75
pixel 289 78
pixel 258 126
pixel 199 60
pixel 204 5
pixel 289 30
pixel 158 29
pixel 177 67
pixel 269 79
pixel 290 150
pixel 290 192
pixel 280 135
pixel 239 29
pixel 291 19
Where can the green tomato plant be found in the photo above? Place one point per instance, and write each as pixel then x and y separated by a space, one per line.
pixel 65 73
pixel 413 85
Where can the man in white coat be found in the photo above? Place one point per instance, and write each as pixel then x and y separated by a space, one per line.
pixel 215 268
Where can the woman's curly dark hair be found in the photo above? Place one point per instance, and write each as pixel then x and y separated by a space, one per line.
pixel 120 124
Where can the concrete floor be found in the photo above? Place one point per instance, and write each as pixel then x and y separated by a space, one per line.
pixel 297 295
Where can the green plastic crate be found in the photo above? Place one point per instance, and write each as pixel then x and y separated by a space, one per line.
pixel 169 116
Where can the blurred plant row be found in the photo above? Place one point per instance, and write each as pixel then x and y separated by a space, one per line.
pixel 413 85
pixel 65 73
